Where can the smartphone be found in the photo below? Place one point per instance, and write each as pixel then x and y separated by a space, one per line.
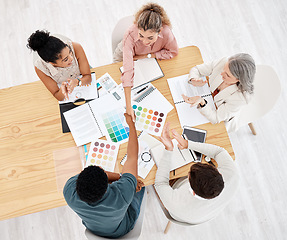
pixel 196 135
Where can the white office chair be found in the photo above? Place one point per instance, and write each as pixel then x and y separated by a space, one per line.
pixel 168 216
pixel 267 90
pixel 120 29
pixel 133 234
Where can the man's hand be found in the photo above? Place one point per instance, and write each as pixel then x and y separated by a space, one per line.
pixel 182 143
pixel 165 138
pixel 130 111
pixel 140 184
pixel 197 82
pixel 129 120
pixel 193 101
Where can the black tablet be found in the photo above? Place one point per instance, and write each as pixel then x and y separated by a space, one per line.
pixel 196 135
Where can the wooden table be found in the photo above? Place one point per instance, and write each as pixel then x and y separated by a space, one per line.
pixel 30 131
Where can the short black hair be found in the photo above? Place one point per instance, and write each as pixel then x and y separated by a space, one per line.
pixel 48 47
pixel 205 180
pixel 92 183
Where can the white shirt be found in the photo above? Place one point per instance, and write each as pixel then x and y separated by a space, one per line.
pixel 179 200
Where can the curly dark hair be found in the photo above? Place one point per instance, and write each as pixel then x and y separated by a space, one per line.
pixel 48 47
pixel 205 180
pixel 92 183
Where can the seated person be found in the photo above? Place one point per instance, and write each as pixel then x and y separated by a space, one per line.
pixel 231 84
pixel 108 210
pixel 150 36
pixel 59 62
pixel 206 191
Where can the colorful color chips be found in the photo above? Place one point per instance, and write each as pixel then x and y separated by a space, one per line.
pixel 103 154
pixel 114 123
pixel 149 120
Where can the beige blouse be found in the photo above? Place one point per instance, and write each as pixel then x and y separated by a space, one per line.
pixel 58 74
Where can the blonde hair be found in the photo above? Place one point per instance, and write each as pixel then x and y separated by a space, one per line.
pixel 151 16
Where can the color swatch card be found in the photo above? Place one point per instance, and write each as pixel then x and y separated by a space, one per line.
pixel 107 82
pixel 150 120
pixel 103 154
pixel 116 125
pixel 145 160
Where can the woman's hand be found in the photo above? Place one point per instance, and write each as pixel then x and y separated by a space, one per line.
pixel 182 143
pixel 130 111
pixel 197 82
pixel 165 138
pixel 64 89
pixel 72 83
pixel 68 86
pixel 193 101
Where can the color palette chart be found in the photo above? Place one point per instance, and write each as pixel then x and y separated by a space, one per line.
pixel 103 154
pixel 149 120
pixel 116 125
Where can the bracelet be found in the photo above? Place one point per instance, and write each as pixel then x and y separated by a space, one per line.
pixel 205 102
pixel 80 81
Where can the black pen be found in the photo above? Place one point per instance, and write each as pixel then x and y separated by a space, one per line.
pixel 142 90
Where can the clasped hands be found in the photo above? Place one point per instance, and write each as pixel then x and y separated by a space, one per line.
pixel 167 141
pixel 193 101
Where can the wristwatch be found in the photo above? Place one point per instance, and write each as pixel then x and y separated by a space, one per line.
pixel 80 82
pixel 205 102
pixel 149 55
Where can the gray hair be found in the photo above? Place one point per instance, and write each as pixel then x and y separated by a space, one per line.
pixel 242 66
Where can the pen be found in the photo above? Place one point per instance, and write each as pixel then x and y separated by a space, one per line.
pixel 86 152
pixel 142 89
pixel 181 154
pixel 191 151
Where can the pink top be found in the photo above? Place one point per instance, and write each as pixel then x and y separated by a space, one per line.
pixel 165 47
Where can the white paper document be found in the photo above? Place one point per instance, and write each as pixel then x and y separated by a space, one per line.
pixel 179 157
pixel 101 117
pixel 146 70
pixel 83 92
pixel 189 116
pixel 145 160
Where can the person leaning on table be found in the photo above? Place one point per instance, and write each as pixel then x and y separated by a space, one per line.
pixel 149 36
pixel 108 210
pixel 231 85
pixel 206 191
pixel 59 62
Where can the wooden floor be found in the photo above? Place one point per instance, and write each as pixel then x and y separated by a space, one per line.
pixel 219 28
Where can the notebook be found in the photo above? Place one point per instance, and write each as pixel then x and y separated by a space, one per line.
pixel 147 95
pixel 103 116
pixel 80 94
pixel 146 70
pixel 179 157
pixel 187 115
pixel 145 160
